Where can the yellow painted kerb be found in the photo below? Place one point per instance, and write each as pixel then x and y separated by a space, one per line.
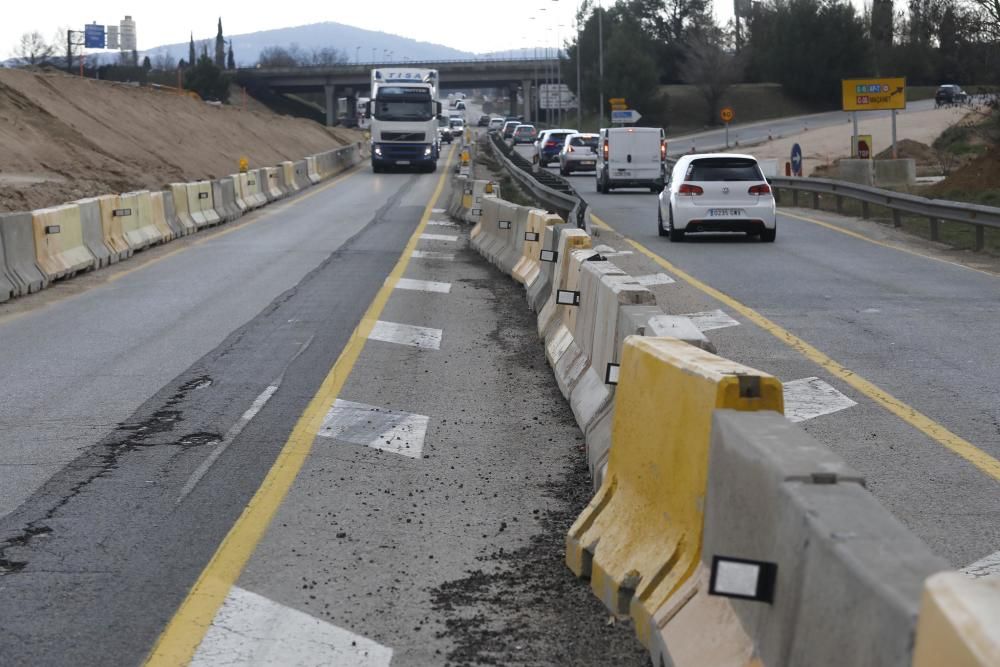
pixel 908 414
pixel 187 628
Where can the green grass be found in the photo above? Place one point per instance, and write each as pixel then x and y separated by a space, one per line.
pixel 955 234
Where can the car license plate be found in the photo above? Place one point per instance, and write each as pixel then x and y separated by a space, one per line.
pixel 402 162
pixel 622 172
pixel 725 212
pixel 587 163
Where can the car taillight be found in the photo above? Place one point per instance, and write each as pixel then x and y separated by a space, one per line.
pixel 663 149
pixel 550 144
pixel 762 189
pixel 605 149
pixel 689 189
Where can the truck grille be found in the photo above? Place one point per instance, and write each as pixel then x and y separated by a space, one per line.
pixel 403 136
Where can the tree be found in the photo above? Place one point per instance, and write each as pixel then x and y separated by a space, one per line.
pixel 989 11
pixel 32 49
pixel 182 64
pixel 276 56
pixel 629 69
pixel 327 56
pixel 711 68
pixel 230 59
pixel 164 62
pixel 207 80
pixel 191 56
pixel 220 47
pixel 135 58
pixel 147 64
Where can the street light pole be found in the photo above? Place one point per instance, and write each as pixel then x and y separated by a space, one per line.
pixel 600 63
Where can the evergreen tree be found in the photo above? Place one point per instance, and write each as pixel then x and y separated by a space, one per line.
pixel 207 80
pixel 230 60
pixel 220 48
pixel 147 64
pixel 191 56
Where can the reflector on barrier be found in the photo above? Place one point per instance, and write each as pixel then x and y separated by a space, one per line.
pixel 611 374
pixel 743 579
pixel 531 236
pixel 504 224
pixel 565 297
pixel 549 256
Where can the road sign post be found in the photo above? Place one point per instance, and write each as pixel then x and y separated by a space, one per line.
pixel 874 94
pixel 727 114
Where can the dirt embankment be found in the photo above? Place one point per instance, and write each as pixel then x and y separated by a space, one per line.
pixel 62 138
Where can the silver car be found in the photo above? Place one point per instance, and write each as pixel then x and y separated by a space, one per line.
pixel 578 153
pixel 717 192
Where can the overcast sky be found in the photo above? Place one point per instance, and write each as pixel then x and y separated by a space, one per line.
pixel 470 25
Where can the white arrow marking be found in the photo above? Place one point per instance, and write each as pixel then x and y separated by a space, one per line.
pixel 711 319
pixel 406 334
pixel 380 428
pixel 809 398
pixel 250 629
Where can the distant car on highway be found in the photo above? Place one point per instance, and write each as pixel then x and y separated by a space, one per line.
pixel 495 124
pixel 484 121
pixel 631 157
pixel 549 143
pixel 524 134
pixel 578 153
pixel 444 134
pixel 457 127
pixel 950 94
pixel 717 192
pixel 507 131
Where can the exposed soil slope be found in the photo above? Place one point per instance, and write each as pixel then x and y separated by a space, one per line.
pixel 62 137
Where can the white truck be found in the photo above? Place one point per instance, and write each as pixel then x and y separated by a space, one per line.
pixel 361 110
pixel 404 112
pixel 631 157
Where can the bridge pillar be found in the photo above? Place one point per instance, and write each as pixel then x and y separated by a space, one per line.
pixel 513 100
pixel 330 108
pixel 526 94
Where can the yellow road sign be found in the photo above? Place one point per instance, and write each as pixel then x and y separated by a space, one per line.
pixel 244 165
pixel 874 94
pixel 619 107
pixel 616 100
pixel 727 115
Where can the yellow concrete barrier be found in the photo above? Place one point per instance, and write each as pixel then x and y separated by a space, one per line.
pixel 288 169
pixel 528 268
pixel 136 214
pixel 114 233
pixel 60 251
pixel 182 207
pixel 158 213
pixel 640 537
pixel 550 317
pixel 959 624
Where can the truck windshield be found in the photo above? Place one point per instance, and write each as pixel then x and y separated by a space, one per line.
pixel 402 110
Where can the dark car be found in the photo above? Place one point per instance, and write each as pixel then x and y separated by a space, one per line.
pixel 484 120
pixel 950 94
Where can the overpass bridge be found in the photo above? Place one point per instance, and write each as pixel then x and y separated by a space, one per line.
pixel 518 76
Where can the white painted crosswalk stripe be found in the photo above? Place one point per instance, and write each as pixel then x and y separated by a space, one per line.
pixel 437 210
pixel 809 398
pixel 711 319
pixel 393 431
pixel 431 254
pixel 423 286
pixel 250 629
pixel 983 567
pixel 439 237
pixel 654 279
pixel 406 334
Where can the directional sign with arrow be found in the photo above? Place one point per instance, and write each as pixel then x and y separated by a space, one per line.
pixel 796 160
pixel 627 116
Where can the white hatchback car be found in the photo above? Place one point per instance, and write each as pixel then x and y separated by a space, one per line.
pixel 717 192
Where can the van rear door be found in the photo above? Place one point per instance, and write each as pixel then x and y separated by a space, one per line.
pixel 634 153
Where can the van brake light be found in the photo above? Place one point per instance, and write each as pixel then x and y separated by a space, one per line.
pixel 605 150
pixel 663 149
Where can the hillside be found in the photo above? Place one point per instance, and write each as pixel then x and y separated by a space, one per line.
pixel 345 38
pixel 62 137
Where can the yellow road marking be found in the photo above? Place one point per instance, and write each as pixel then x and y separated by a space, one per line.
pixel 908 414
pixel 187 628
pixel 884 244
pixel 203 237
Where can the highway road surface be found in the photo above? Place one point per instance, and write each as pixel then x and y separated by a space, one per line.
pixel 326 431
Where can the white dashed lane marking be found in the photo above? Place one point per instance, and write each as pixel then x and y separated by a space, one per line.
pixel 423 286
pixel 439 237
pixel 441 223
pixel 654 279
pixel 406 334
pixel 437 210
pixel 250 629
pixel 431 254
pixel 393 431
pixel 712 319
pixel 809 398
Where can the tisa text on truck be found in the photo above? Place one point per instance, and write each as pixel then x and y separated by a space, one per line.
pixel 404 111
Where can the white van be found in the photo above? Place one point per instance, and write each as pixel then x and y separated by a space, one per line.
pixel 631 157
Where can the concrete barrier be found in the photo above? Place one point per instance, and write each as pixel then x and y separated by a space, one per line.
pixel 206 199
pixel 195 207
pixel 242 206
pixel 856 171
pixel 251 183
pixel 114 232
pixel 8 290
pixel 498 235
pixel 312 170
pixel 286 183
pixel 136 213
pixel 488 218
pixel 540 290
pixel 93 231
pixel 60 251
pixel 551 313
pixel 513 249
pixel 895 173
pixel 847 575
pixel 302 174
pixel 224 205
pixel 182 207
pixel 158 208
pixel 528 268
pixel 959 623
pixel 18 234
pixel 288 175
pixel 639 539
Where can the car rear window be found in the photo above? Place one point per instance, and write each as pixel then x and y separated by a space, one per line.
pixel 724 169
pixel 558 136
pixel 583 141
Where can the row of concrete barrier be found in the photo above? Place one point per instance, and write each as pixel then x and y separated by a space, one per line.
pixel 728 534
pixel 40 247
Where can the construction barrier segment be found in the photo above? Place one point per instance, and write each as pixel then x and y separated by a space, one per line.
pixel 60 251
pixel 959 622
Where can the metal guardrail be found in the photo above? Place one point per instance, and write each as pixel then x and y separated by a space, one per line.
pixel 935 210
pixel 553 191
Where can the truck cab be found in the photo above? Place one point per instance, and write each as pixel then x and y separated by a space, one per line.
pixel 631 157
pixel 404 112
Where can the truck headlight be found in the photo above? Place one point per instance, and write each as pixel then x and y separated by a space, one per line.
pixel 427 151
pixel 377 151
